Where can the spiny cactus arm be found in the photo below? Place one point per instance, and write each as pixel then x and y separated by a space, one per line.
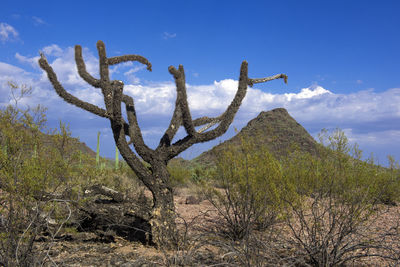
pixel 117 125
pixel 131 159
pixel 70 98
pixel 80 64
pixel 104 72
pixel 180 117
pixel 205 120
pixel 176 123
pixel 180 146
pixel 126 58
pixel 225 119
pixel 267 79
pixel 105 84
pixel 172 128
pixel 210 123
pixel 113 97
pixel 67 96
pixel 108 91
pixel 135 134
pixel 181 99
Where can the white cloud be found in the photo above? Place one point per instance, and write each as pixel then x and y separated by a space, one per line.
pixel 167 35
pixel 38 21
pixel 211 98
pixel 308 93
pixel 154 99
pixel 33 61
pixel 385 137
pixel 53 50
pixel 7 32
pixel 10 73
pixel 130 74
pixel 7 69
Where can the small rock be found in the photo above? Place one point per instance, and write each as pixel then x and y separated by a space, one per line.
pixel 190 200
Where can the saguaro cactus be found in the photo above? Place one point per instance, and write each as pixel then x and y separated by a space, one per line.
pixel 98 151
pixel 116 158
pixel 155 178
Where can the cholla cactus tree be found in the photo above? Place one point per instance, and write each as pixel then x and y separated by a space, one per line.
pixel 155 178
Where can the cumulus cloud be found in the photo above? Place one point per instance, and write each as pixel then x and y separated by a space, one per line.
pixel 7 32
pixel 33 61
pixel 153 99
pixel 53 50
pixel 305 93
pixel 131 76
pixel 384 137
pixel 10 70
pixel 10 73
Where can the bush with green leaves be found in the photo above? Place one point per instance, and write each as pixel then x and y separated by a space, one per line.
pixel 333 200
pixel 179 174
pixel 20 184
pixel 248 196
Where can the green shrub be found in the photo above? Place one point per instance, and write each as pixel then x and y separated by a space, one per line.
pixel 179 175
pixel 249 198
pixel 37 182
pixel 332 201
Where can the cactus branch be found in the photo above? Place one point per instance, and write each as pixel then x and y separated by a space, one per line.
pixel 181 99
pixel 67 96
pixel 80 64
pixel 126 58
pixel 267 79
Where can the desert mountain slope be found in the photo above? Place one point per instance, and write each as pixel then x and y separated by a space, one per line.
pixel 48 141
pixel 275 129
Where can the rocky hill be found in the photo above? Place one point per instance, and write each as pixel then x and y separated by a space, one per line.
pixel 275 129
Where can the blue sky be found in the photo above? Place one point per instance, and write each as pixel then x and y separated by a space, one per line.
pixel 342 59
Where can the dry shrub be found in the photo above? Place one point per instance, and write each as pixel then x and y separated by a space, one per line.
pixel 332 203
